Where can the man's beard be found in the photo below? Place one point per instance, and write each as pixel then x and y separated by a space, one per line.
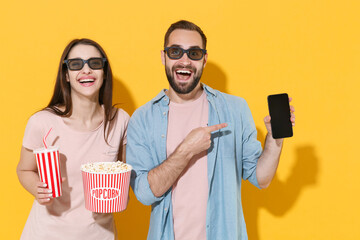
pixel 183 88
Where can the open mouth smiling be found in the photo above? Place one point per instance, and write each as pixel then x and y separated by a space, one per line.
pixel 183 74
pixel 87 80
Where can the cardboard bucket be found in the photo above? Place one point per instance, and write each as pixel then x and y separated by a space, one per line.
pixel 106 192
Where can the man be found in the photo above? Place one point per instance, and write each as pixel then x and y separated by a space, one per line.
pixel 191 145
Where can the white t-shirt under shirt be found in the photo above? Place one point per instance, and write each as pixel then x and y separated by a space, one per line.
pixel 67 217
pixel 190 191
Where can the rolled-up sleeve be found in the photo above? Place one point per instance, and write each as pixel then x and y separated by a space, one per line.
pixel 139 155
pixel 251 147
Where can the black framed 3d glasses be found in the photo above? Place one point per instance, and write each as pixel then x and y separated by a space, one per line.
pixel 192 53
pixel 76 64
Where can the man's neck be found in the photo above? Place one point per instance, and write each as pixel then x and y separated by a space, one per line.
pixel 183 98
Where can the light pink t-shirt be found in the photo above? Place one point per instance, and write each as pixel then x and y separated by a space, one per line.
pixel 67 217
pixel 190 192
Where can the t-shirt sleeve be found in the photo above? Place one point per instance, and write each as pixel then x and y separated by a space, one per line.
pixel 124 122
pixel 34 133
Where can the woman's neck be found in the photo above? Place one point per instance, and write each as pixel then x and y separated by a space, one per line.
pixel 86 114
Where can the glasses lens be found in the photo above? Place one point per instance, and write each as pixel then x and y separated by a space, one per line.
pixel 95 63
pixel 175 53
pixel 195 54
pixel 75 64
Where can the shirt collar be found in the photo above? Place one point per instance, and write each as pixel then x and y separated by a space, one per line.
pixel 209 90
pixel 159 96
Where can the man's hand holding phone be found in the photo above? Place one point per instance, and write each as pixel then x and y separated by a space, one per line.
pixel 281 119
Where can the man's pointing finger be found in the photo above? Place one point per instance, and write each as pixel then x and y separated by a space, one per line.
pixel 215 127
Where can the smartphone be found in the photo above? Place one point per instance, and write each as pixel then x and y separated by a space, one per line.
pixel 279 110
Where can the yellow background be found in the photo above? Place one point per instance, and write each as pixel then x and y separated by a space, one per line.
pixel 309 49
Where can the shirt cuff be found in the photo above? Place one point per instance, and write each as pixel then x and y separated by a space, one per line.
pixel 143 191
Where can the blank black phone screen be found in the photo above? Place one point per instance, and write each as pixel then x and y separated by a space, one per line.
pixel 279 111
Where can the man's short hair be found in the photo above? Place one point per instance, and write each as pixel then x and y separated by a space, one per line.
pixel 185 25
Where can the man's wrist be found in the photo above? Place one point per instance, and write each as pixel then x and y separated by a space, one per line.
pixel 278 142
pixel 182 152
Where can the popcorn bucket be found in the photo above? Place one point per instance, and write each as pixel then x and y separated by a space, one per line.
pixel 48 163
pixel 106 186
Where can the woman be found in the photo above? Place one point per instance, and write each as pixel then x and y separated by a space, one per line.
pixel 86 128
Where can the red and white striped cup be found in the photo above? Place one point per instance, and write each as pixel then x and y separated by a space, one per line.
pixel 106 192
pixel 48 163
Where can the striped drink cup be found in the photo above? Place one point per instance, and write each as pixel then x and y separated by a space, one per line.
pixel 48 163
pixel 106 190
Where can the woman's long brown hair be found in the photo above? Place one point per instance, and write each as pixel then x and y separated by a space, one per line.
pixel 62 90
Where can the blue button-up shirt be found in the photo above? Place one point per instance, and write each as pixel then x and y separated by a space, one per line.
pixel 232 156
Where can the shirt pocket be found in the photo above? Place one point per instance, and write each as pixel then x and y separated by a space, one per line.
pixel 227 142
